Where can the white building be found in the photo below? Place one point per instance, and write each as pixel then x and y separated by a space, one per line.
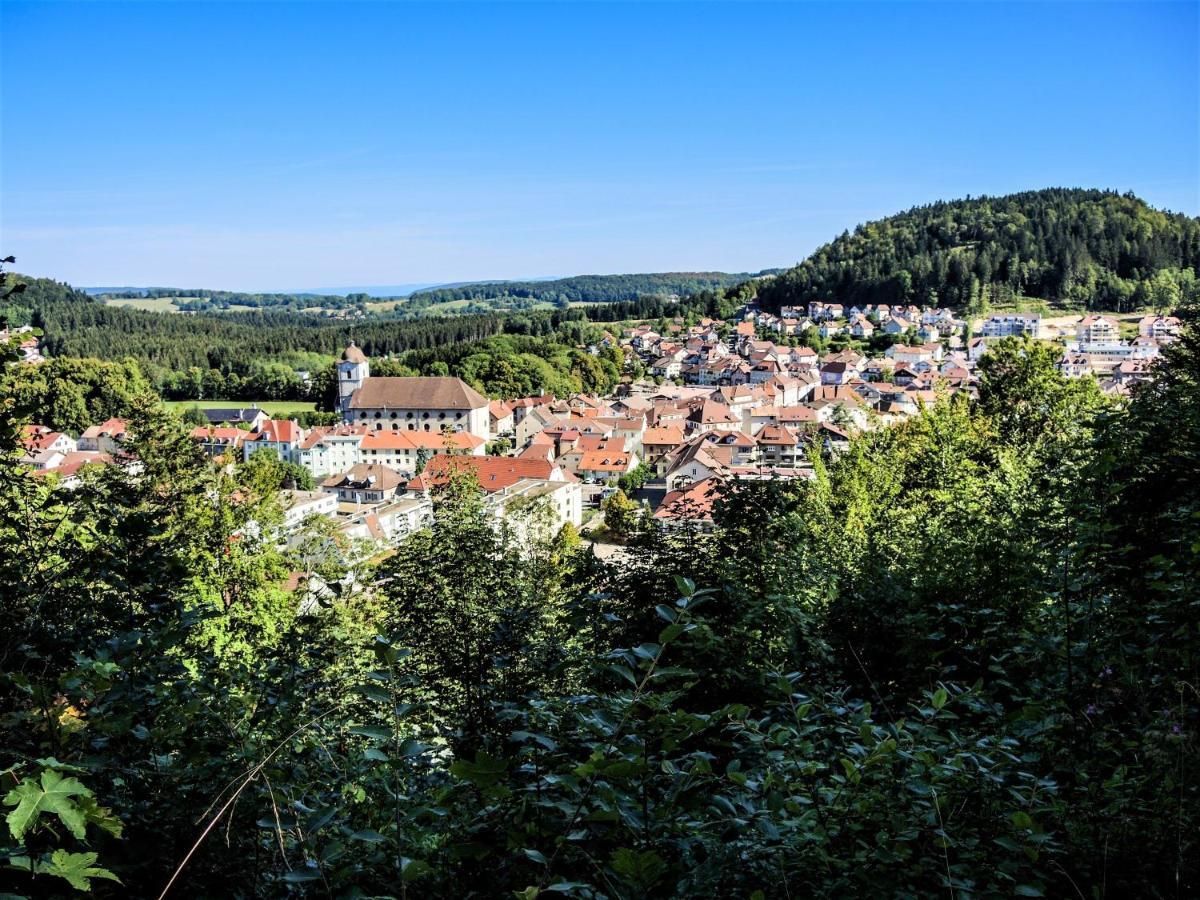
pixel 1013 325
pixel 432 404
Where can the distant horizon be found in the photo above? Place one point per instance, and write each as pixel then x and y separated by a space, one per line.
pixel 293 144
pixel 414 288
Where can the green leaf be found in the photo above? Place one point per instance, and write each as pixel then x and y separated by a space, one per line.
pixel 379 734
pixel 412 869
pixel 644 869
pixel 669 633
pixel 53 796
pixel 372 692
pixel 375 754
pixel 78 869
pixel 483 772
pixel 536 856
pixel 368 836
pixel 1028 890
pixel 939 698
pixel 299 876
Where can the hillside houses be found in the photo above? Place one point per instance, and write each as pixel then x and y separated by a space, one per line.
pixel 731 403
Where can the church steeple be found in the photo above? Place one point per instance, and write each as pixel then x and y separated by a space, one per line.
pixel 353 370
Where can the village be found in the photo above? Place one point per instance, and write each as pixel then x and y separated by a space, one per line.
pixel 719 400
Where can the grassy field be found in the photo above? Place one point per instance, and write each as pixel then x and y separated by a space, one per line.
pixel 270 407
pixel 150 304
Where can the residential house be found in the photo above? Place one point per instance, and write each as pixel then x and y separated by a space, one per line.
pixel 233 415
pixel 500 418
pixel 220 440
pixel 492 472
pixel 107 437
pixel 1097 330
pixel 280 436
pixel 365 483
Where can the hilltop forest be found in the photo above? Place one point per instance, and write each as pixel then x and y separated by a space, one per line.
pixel 1080 248
pixel 473 297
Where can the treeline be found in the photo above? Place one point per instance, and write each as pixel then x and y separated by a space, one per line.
pixel 76 325
pixel 259 354
pixel 962 659
pixel 587 288
pixel 1084 248
pixel 205 300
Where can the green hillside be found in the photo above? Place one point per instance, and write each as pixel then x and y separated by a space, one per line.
pixel 586 288
pixel 1085 248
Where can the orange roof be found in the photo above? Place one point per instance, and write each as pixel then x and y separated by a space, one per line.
pixel 600 442
pixel 38 437
pixel 420 440
pixel 493 472
pixel 76 460
pixel 604 461
pixel 666 436
pixel 112 427
pixel 797 414
pixel 220 435
pixel 776 435
pixel 283 431
pixel 692 502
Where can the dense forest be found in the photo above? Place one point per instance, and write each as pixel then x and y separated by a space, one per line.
pixel 257 354
pixel 588 288
pixel 469 298
pixel 963 659
pixel 1081 248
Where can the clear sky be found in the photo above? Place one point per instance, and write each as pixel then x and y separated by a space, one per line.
pixel 308 145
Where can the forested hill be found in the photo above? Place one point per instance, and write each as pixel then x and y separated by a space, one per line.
pixel 1087 248
pixel 75 324
pixel 588 288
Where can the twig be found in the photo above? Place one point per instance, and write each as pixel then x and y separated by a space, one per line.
pixel 228 803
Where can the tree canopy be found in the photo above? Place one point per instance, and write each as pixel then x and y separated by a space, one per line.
pixel 1084 248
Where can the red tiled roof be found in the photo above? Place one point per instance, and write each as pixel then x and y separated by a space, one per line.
pixel 493 472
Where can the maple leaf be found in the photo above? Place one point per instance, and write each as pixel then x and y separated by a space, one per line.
pixel 54 795
pixel 78 868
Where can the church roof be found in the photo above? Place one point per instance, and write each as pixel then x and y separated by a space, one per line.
pixel 353 354
pixel 378 392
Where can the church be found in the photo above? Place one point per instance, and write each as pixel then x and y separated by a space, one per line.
pixel 407 404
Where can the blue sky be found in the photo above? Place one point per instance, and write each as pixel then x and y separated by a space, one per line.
pixel 284 146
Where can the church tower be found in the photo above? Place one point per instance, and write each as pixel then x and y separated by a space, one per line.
pixel 353 371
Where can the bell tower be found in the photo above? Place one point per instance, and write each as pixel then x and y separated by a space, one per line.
pixel 353 370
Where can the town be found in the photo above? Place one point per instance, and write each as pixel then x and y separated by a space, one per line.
pixel 717 400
